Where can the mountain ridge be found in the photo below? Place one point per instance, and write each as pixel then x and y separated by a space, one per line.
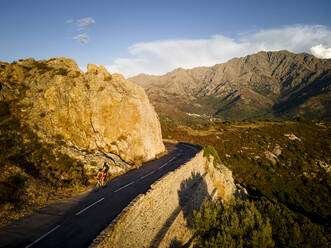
pixel 276 85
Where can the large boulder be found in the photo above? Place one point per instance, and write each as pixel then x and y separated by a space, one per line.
pixel 91 112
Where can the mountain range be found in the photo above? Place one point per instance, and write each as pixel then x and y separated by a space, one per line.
pixel 267 85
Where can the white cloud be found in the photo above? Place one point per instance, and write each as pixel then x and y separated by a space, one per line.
pixel 159 57
pixel 82 38
pixel 321 51
pixel 84 23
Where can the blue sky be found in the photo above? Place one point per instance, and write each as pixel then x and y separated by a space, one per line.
pixel 157 36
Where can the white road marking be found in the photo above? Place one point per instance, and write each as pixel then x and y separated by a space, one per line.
pixel 157 169
pixel 124 186
pixel 167 163
pixel 90 206
pixel 37 240
pixel 147 175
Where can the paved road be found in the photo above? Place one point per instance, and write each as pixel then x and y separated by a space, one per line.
pixel 75 222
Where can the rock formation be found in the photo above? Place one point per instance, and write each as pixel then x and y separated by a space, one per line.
pixel 92 111
pixel 274 85
pixel 59 125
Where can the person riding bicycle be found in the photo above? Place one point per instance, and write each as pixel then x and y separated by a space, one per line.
pixel 101 176
pixel 105 169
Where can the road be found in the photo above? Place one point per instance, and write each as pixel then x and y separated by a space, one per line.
pixel 76 221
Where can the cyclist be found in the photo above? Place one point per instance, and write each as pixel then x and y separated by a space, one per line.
pixel 100 176
pixel 105 171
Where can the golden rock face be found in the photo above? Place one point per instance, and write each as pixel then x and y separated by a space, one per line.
pixel 92 111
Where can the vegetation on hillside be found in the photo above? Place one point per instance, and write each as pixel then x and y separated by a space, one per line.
pixel 237 224
pixel 285 166
pixel 209 150
pixel 32 172
pixel 257 222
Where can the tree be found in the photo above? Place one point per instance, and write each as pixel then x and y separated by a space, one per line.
pixel 234 224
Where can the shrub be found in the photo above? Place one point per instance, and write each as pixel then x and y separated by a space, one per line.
pixel 235 224
pixel 12 190
pixel 290 229
pixel 210 150
pixel 32 163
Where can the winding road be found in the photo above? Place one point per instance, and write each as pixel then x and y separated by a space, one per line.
pixel 76 221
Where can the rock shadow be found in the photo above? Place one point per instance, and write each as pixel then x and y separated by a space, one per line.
pixel 175 243
pixel 192 193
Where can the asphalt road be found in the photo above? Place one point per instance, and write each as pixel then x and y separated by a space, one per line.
pixel 76 221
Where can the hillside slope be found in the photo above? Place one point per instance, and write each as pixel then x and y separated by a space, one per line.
pixel 285 166
pixel 275 85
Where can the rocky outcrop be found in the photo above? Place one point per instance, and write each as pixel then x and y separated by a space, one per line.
pixel 59 125
pixel 275 85
pixel 222 179
pixel 91 112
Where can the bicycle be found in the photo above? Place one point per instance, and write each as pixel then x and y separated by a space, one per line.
pixel 98 185
pixel 102 174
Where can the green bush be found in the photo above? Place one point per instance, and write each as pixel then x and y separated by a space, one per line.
pixel 235 224
pixel 12 190
pixel 210 150
pixel 32 163
pixel 290 229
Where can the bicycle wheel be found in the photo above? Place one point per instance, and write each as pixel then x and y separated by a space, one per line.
pixel 105 182
pixel 97 186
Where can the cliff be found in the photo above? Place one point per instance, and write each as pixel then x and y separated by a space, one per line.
pixel 92 111
pixel 58 125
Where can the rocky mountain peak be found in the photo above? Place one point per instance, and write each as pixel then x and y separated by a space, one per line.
pixel 276 84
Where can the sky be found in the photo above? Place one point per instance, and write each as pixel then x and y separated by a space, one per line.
pixel 155 37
